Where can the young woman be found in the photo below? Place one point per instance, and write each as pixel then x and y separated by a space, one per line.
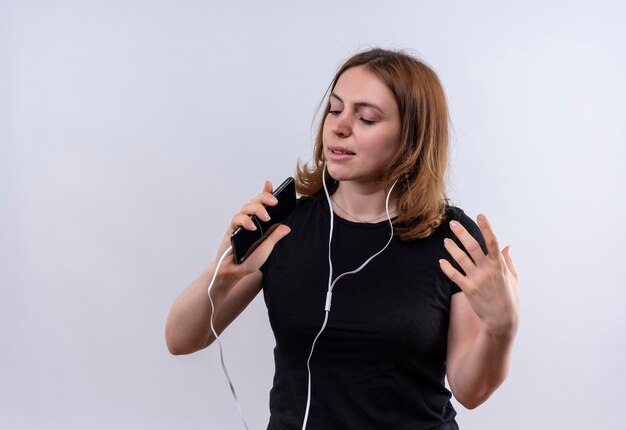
pixel 440 299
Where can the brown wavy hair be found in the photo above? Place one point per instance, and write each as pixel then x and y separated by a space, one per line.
pixel 421 161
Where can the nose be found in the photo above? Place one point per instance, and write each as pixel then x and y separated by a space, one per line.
pixel 341 125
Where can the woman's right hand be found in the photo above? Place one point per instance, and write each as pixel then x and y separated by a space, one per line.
pixel 233 271
pixel 236 285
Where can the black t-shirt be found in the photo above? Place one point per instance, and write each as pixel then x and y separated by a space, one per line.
pixel 380 362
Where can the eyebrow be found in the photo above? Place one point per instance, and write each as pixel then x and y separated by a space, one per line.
pixel 358 103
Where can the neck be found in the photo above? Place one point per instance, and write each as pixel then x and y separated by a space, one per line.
pixel 363 202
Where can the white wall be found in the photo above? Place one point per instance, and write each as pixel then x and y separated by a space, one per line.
pixel 131 131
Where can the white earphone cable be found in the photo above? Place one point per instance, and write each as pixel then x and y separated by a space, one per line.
pixel 331 285
pixel 217 338
pixel 329 293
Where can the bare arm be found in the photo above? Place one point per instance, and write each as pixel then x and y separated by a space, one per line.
pixel 483 318
pixel 478 359
pixel 188 324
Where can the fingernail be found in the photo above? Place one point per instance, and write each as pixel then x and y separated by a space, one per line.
pixel 274 200
pixel 454 224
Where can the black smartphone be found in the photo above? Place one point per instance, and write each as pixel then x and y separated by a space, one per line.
pixel 244 241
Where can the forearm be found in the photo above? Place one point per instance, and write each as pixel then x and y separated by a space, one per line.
pixel 188 324
pixel 484 368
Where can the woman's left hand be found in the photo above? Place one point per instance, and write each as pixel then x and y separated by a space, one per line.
pixel 491 283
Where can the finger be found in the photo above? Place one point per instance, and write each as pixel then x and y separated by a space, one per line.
pixel 242 220
pixel 268 187
pixel 453 274
pixel 469 242
pixel 506 252
pixel 279 232
pixel 493 249
pixel 257 209
pixel 259 256
pixel 265 198
pixel 459 256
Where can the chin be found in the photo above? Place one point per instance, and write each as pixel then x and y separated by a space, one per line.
pixel 338 173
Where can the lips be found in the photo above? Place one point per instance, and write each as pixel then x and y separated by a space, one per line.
pixel 340 150
pixel 339 153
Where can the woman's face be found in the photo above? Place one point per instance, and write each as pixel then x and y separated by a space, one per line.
pixel 362 130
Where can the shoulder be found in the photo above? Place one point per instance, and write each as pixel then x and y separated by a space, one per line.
pixel 304 201
pixel 304 222
pixel 306 204
pixel 457 214
pixel 305 208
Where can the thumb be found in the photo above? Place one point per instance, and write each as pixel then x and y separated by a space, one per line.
pixel 259 255
pixel 279 232
pixel 506 252
pixel 268 186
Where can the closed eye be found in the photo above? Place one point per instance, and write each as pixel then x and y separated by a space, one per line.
pixel 365 121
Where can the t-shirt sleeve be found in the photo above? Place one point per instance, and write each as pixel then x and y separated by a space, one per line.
pixel 473 229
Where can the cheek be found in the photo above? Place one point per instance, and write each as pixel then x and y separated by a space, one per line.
pixel 383 146
pixel 325 131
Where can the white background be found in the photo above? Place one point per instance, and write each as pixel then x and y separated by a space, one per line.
pixel 131 131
